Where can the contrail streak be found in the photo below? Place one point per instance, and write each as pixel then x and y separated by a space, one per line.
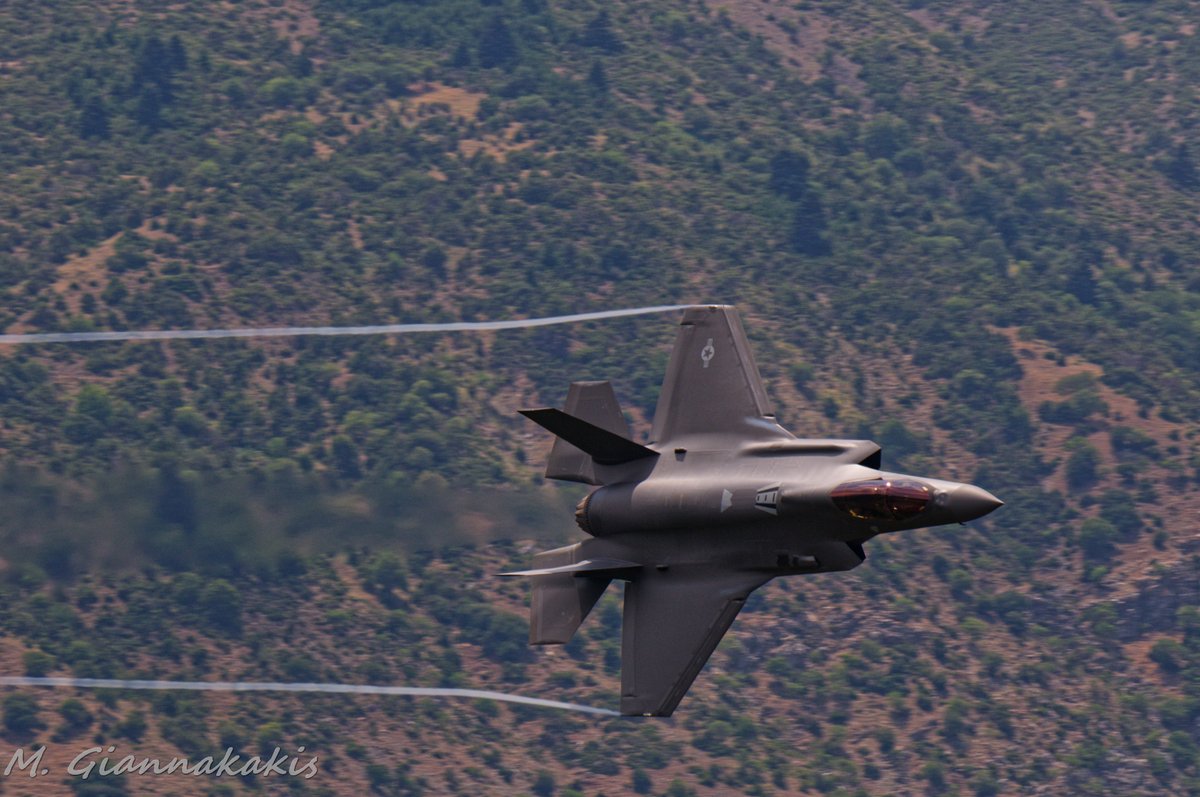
pixel 278 332
pixel 267 686
pixel 284 332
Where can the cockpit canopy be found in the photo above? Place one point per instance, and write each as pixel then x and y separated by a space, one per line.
pixel 882 499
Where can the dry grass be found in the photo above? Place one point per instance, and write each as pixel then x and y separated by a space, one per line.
pixel 498 146
pixel 461 102
pixel 799 38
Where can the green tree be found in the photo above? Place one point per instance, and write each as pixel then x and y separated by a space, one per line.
pixel 148 112
pixel 345 456
pixel 90 418
pixel 497 47
pixel 221 606
pixel 1180 168
pixel 133 727
pixel 177 60
pixel 21 714
pixel 152 63
pixel 1096 538
pixel 1119 508
pixel 543 784
pixel 597 78
pixel 808 226
pixel 885 136
pixel 935 774
pixel 93 119
pixel 789 173
pixel 1168 655
pixel 462 56
pixel 176 501
pixel 283 92
pixel 76 716
pixel 1082 466
pixel 386 573
pixel 38 663
pixel 599 33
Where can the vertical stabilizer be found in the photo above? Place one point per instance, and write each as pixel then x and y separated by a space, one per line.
pixel 712 385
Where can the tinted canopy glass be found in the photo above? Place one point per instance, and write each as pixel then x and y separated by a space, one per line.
pixel 882 499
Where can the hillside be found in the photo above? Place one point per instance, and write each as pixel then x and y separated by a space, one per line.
pixel 965 230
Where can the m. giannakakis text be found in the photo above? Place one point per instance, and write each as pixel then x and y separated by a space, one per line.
pixel 96 762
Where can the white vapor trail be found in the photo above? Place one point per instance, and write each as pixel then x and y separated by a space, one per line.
pixel 267 686
pixel 279 332
pixel 284 332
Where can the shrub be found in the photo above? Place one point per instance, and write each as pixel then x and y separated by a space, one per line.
pixel 37 663
pixel 21 714
pixel 1096 538
pixel 1168 655
pixel 1128 442
pixel 1082 466
pixel 221 606
pixel 76 716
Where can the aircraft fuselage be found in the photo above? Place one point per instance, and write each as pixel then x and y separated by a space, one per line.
pixel 723 501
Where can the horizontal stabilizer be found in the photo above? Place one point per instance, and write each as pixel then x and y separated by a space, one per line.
pixel 564 591
pixel 595 403
pixel 586 566
pixel 601 445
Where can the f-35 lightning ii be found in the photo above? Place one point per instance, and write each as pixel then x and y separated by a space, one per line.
pixel 723 500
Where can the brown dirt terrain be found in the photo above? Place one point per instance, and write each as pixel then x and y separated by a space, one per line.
pixel 798 36
pixel 1178 512
pixel 457 101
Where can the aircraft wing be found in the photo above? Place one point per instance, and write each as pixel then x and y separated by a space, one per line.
pixel 672 622
pixel 712 384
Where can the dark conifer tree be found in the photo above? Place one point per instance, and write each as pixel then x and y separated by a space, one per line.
pixel 1181 168
pixel 497 47
pixel 93 120
pixel 808 227
pixel 176 55
pixel 301 65
pixel 461 57
pixel 597 78
pixel 149 108
pixel 599 33
pixel 152 64
pixel 789 174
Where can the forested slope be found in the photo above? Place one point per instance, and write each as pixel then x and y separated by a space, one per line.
pixel 965 230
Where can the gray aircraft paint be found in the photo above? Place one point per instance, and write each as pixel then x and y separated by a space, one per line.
pixel 722 501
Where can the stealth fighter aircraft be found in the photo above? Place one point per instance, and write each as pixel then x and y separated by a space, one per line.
pixel 721 501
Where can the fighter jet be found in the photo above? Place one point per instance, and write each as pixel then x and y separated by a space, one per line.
pixel 720 502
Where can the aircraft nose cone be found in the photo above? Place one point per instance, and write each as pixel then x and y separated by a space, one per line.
pixel 968 502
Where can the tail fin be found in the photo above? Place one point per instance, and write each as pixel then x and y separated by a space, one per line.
pixel 590 430
pixel 712 385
